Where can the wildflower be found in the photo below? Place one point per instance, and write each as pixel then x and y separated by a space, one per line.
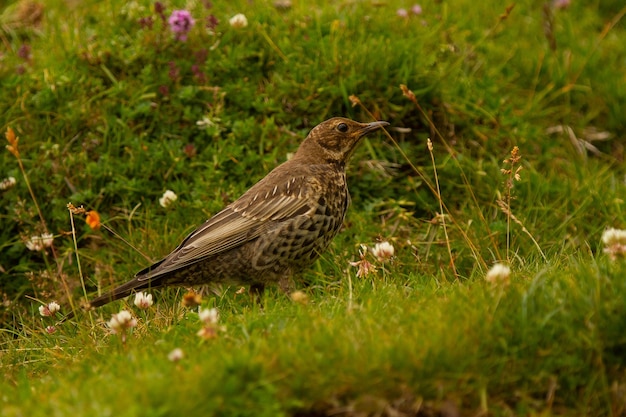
pixel 181 22
pixel 283 4
pixel 402 13
pixel 49 310
pixel 168 198
pixel 121 321
pixel 51 329
pixel 561 4
pixel 499 273
pixel 416 9
pixel 238 21
pixel 93 219
pixel 190 150
pixel 176 355
pixel 211 23
pixel 146 22
pixel 174 72
pixel 143 301
pixel 615 243
pixel 209 315
pixel 207 332
pixel 383 251
pixel 299 297
pixel 191 299
pixel 364 266
pixel 24 52
pixel 39 243
pixel 7 183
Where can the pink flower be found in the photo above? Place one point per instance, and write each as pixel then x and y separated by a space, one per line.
pixel 402 13
pixel 416 9
pixel 181 22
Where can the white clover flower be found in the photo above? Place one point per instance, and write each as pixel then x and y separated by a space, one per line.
pixel 143 301
pixel 49 310
pixel 238 21
pixel 39 243
pixel 121 321
pixel 7 183
pixel 168 198
pixel 176 355
pixel 499 273
pixel 615 242
pixel 612 236
pixel 383 251
pixel 47 239
pixel 209 315
pixel 51 329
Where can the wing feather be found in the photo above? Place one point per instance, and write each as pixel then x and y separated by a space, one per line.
pixel 242 221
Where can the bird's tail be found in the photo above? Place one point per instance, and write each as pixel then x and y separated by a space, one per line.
pixel 122 291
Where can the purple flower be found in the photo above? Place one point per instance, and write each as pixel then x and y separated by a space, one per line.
pixel 211 22
pixel 24 52
pixel 181 23
pixel 174 72
pixel 146 22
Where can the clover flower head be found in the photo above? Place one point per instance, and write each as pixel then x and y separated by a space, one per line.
pixel 383 251
pixel 7 183
pixel 176 355
pixel 403 13
pixel 168 198
pixel 499 273
pixel 39 243
pixel 50 309
pixel 615 243
pixel 121 321
pixel 209 315
pixel 143 301
pixel 238 21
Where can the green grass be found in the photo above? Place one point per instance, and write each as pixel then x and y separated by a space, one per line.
pixel 107 111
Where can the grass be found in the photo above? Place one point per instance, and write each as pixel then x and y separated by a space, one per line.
pixel 107 108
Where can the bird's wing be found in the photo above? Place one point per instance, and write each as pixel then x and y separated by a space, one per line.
pixel 240 222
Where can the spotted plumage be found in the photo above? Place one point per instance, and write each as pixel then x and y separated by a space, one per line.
pixel 276 229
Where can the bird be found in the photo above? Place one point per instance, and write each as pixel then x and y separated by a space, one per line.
pixel 275 230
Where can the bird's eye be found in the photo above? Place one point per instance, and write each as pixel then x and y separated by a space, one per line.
pixel 342 127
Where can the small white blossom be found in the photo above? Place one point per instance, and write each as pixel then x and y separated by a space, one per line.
pixel 238 21
pixel 51 329
pixel 615 242
pixel 39 243
pixel 176 355
pixel 383 251
pixel 168 198
pixel 499 273
pixel 121 321
pixel 49 310
pixel 207 122
pixel 209 315
pixel 7 183
pixel 143 301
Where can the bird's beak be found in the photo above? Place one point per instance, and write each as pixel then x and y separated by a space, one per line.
pixel 370 127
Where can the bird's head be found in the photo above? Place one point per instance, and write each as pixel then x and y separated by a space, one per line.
pixel 334 140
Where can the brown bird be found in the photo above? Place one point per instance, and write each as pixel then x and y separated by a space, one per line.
pixel 276 229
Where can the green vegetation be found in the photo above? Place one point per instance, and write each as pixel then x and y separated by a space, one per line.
pixel 112 110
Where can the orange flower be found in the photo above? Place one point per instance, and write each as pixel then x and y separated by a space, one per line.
pixel 93 219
